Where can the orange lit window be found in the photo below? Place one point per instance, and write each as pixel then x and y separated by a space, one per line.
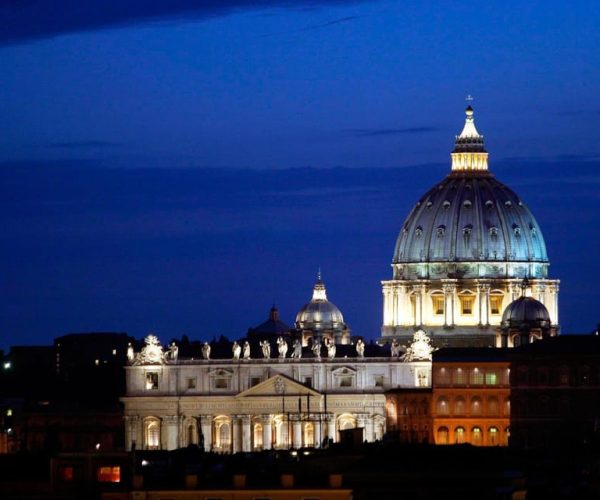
pixel 66 473
pixel 109 474
pixel 466 302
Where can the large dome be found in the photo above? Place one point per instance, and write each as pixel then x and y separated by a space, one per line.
pixel 471 217
pixel 319 313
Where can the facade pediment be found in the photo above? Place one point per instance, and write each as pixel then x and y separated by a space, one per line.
pixel 278 385
pixel 344 370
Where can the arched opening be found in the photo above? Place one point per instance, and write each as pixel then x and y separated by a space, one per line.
pixel 309 435
pixel 476 436
pixel 258 437
pixel 459 435
pixel 459 406
pixel 222 434
pixel 152 433
pixel 442 406
pixel 493 435
pixel 442 435
pixel 476 406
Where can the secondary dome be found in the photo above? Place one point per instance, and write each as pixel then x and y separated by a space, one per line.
pixel 471 217
pixel 525 312
pixel 319 313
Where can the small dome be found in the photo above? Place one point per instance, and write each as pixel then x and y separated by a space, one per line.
pixel 525 312
pixel 319 313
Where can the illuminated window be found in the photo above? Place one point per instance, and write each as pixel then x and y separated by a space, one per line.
pixel 151 381
pixel 476 377
pixel 443 377
pixel 476 406
pixel 476 435
pixel 258 436
pixel 191 383
pixel 109 474
pixel 459 435
pixel 491 378
pixel 460 377
pixel 153 435
pixel 378 380
pixel 309 435
pixel 442 406
pixel 438 304
pixel 495 304
pixel 466 304
pixel 493 436
pixel 66 473
pixel 9 412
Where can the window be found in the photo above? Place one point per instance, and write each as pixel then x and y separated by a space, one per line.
pixel 191 383
pixel 346 381
pixel 475 406
pixel 493 406
pixel 309 435
pixel 308 381
pixel 442 406
pixel 254 381
pixel 491 378
pixel 110 474
pixel 151 381
pixel 443 376
pixel 466 304
pixel 442 435
pixel 66 473
pixel 493 436
pixel 495 304
pixel 221 382
pixel 258 436
pixel 153 435
pixel 378 379
pixel 476 435
pixel 459 435
pixel 437 302
pixel 476 377
pixel 460 377
pixel 459 406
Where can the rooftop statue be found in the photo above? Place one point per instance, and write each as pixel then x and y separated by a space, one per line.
pixel 237 350
pixel 246 350
pixel 282 347
pixel 266 349
pixel 206 350
pixel 297 352
pixel 330 344
pixel 360 348
pixel 316 349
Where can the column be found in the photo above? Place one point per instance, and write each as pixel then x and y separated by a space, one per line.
pixel 331 428
pixel 235 434
pixel 170 436
pixel 132 440
pixel 297 433
pixel 449 292
pixel 267 432
pixel 360 423
pixel 369 429
pixel 246 434
pixel 554 309
pixel 483 299
pixel 318 433
pixel 206 431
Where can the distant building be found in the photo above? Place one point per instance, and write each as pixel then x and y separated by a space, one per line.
pixel 555 392
pixel 471 396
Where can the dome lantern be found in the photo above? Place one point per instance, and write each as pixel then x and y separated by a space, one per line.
pixel 469 153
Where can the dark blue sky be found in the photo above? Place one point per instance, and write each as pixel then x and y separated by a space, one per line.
pixel 180 167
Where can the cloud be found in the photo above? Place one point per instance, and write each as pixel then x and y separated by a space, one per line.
pixel 25 21
pixel 374 132
pixel 80 145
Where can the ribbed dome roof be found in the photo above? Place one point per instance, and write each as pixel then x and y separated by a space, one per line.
pixel 319 313
pixel 470 216
pixel 525 311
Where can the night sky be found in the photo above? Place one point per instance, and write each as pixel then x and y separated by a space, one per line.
pixel 180 167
